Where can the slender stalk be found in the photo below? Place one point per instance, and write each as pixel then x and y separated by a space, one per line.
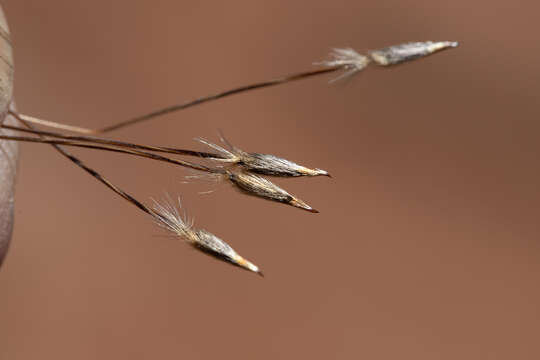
pixel 254 162
pixel 185 105
pixel 111 149
pixel 97 140
pixel 25 119
pixel 96 175
pixel 220 95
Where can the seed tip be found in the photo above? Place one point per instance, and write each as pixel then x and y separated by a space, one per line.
pixel 302 205
pixel 322 172
pixel 242 262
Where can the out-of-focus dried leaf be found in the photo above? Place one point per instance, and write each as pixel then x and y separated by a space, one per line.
pixel 8 150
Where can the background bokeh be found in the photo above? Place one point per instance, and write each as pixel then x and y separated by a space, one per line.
pixel 427 245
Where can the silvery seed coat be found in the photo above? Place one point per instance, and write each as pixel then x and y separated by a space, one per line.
pixel 255 185
pixel 405 52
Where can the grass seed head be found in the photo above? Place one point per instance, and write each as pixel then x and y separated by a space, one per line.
pixel 167 215
pixel 264 164
pixel 409 51
pixel 214 246
pixel 255 185
pixel 272 165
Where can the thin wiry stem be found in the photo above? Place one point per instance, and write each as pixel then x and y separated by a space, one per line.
pixel 220 95
pixel 250 184
pixel 260 163
pixel 112 149
pixel 34 120
pixel 185 105
pixel 96 140
pixel 94 173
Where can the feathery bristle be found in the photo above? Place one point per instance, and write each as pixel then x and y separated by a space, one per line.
pixel 167 215
pixel 348 59
pixel 228 156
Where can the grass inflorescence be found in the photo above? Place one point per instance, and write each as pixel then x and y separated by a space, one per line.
pixel 244 170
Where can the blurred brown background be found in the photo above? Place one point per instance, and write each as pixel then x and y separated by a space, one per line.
pixel 427 245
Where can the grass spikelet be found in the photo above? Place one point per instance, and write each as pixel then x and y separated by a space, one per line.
pixel 397 54
pixel 264 164
pixel 255 185
pixel 167 216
